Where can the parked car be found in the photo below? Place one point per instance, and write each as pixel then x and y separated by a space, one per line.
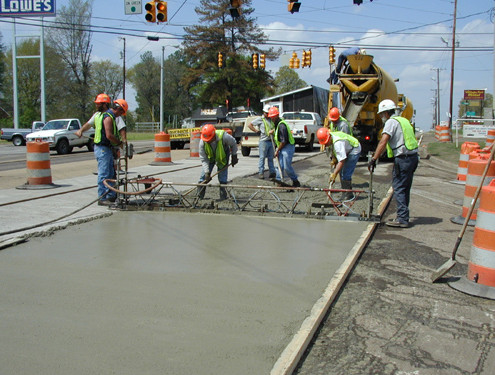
pixel 304 126
pixel 18 136
pixel 60 134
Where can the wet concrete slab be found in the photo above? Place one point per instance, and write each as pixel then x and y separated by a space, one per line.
pixel 165 293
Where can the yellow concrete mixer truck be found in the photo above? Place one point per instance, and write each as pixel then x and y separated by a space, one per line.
pixel 362 86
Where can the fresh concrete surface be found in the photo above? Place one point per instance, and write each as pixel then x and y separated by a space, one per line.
pixel 164 293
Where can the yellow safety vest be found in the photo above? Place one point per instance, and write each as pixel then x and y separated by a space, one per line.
pixel 408 132
pixel 100 137
pixel 291 138
pixel 220 156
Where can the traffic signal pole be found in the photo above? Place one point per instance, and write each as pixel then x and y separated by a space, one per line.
pixel 161 88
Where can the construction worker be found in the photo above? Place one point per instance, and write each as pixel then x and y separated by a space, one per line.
pixel 399 141
pixel 262 126
pixel 106 137
pixel 102 102
pixel 285 146
pixel 215 147
pixel 337 122
pixel 346 149
pixel 342 59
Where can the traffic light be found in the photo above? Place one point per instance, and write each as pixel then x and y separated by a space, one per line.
pixel 235 10
pixel 255 60
pixel 161 11
pixel 294 61
pixel 262 60
pixel 358 2
pixel 150 8
pixel 220 60
pixel 331 55
pixel 308 59
pixel 294 6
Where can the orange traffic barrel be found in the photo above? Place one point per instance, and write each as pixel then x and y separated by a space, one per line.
pixel 476 167
pixel 437 132
pixel 490 137
pixel 480 279
pixel 194 145
pixel 466 149
pixel 444 134
pixel 38 166
pixel 162 149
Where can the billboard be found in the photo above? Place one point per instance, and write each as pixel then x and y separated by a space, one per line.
pixel 18 8
pixel 474 94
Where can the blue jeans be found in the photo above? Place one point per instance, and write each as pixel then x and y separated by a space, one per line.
pixel 349 166
pixel 106 170
pixel 266 152
pixel 285 159
pixel 402 179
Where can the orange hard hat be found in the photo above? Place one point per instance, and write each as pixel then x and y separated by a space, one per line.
pixel 122 104
pixel 323 135
pixel 273 112
pixel 102 98
pixel 334 114
pixel 208 132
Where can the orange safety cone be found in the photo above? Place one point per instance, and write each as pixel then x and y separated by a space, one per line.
pixel 480 280
pixel 466 149
pixel 444 134
pixel 38 166
pixel 162 149
pixel 476 168
pixel 194 145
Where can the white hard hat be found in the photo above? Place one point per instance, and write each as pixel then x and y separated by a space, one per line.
pixel 386 105
pixel 362 51
pixel 266 108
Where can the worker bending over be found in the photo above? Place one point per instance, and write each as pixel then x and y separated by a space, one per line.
pixel 262 126
pixel 215 147
pixel 285 146
pixel 337 122
pixel 346 149
pixel 399 140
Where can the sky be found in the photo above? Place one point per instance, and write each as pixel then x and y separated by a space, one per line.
pixel 410 39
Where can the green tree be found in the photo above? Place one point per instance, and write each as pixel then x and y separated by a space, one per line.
pixel 72 43
pixel 106 77
pixel 145 78
pixel 287 79
pixel 236 39
pixel 3 111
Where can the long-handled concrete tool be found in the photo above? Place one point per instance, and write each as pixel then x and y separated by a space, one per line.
pixel 279 182
pixel 447 266
pixel 206 183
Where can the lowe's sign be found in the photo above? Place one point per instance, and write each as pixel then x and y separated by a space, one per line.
pixel 16 8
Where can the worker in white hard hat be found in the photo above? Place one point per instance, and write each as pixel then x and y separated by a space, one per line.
pixel 262 126
pixel 399 141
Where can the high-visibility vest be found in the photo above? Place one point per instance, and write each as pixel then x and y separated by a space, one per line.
pixel 219 157
pixel 408 133
pixel 341 136
pixel 100 134
pixel 341 119
pixel 268 125
pixel 291 138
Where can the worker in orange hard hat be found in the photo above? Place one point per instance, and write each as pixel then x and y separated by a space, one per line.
pixel 106 137
pixel 215 148
pixel 346 149
pixel 285 146
pixel 337 122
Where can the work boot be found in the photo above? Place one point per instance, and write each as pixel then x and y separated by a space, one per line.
pixel 348 195
pixel 296 183
pixel 261 176
pixel 272 175
pixel 223 193
pixel 201 192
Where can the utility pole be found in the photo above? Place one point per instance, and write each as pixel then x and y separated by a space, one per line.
pixel 123 63
pixel 437 98
pixel 452 70
pixel 161 88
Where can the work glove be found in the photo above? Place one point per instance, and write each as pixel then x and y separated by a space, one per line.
pixel 332 178
pixel 235 160
pixel 372 165
pixel 334 162
pixel 207 178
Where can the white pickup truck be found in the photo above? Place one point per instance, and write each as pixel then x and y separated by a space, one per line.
pixel 60 134
pixel 304 126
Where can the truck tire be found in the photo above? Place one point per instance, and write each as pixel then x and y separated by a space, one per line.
pixel 91 145
pixel 245 151
pixel 63 147
pixel 310 145
pixel 17 140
